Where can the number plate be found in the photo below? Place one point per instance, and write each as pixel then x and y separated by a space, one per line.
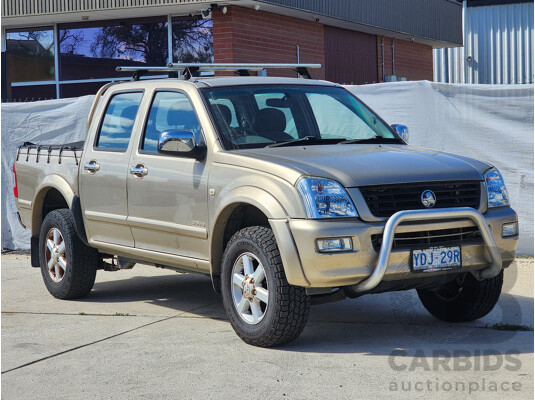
pixel 436 259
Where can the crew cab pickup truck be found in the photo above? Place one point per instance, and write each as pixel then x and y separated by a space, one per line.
pixel 284 191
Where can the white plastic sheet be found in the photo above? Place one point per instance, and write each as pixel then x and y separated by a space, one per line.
pixel 489 122
pixel 42 122
pixel 493 123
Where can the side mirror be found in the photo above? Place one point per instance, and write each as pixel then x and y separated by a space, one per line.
pixel 181 143
pixel 402 131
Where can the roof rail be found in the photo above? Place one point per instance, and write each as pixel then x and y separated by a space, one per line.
pixel 188 70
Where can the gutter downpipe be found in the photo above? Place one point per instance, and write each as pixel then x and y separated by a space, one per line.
pixel 393 58
pixel 297 48
pixel 383 58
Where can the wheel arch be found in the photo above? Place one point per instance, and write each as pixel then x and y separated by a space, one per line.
pixel 244 206
pixel 54 193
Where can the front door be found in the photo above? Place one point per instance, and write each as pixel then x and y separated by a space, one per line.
pixel 102 178
pixel 167 194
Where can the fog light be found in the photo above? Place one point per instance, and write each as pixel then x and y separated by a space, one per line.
pixel 328 245
pixel 510 229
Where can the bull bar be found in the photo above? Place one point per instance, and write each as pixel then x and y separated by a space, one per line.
pixel 429 215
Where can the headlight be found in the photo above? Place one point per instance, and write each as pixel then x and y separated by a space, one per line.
pixel 496 190
pixel 324 198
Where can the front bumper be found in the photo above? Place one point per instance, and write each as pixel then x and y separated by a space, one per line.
pixel 304 266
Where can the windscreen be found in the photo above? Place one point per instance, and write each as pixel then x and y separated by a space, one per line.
pixel 258 116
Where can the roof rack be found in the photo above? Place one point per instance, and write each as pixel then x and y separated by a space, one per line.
pixel 189 70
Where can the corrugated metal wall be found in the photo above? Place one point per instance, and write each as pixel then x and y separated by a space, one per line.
pixel 433 19
pixel 16 8
pixel 498 47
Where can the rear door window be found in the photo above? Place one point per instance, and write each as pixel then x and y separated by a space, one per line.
pixel 118 122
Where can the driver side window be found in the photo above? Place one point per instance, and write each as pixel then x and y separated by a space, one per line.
pixel 169 110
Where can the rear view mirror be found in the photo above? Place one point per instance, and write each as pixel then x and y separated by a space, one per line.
pixel 402 131
pixel 180 142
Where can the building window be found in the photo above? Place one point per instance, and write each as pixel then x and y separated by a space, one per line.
pixel 33 93
pixel 79 89
pixel 30 55
pixel 92 51
pixel 30 58
pixel 193 40
pixel 89 52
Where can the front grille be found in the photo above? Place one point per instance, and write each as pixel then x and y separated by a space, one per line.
pixel 429 238
pixel 386 200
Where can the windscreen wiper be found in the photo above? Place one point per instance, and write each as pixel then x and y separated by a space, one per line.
pixel 375 139
pixel 306 139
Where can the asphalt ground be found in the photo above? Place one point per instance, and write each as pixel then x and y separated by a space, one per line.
pixel 148 333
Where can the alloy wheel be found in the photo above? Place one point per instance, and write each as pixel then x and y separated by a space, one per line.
pixel 249 288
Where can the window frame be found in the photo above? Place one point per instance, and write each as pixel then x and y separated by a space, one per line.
pixel 96 148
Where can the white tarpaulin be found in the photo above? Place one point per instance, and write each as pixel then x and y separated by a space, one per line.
pixel 493 123
pixel 489 122
pixel 40 122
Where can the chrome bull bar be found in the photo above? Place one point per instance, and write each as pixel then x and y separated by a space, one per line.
pixel 429 215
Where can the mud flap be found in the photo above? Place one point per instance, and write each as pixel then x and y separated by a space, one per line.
pixel 34 251
pixel 76 211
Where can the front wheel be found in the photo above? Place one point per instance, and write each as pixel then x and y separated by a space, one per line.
pixel 68 266
pixel 464 299
pixel 263 308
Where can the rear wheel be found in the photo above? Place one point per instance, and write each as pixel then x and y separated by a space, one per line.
pixel 464 299
pixel 263 308
pixel 68 266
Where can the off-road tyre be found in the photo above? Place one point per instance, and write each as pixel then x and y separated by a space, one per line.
pixel 81 260
pixel 464 299
pixel 287 311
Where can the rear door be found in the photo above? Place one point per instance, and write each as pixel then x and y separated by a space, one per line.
pixel 167 204
pixel 105 168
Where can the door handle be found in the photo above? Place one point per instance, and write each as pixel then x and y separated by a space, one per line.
pixel 92 166
pixel 139 171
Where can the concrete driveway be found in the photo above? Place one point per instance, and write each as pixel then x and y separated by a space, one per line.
pixel 155 334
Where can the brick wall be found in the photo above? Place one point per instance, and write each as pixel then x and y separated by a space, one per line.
pixel 247 35
pixel 413 61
